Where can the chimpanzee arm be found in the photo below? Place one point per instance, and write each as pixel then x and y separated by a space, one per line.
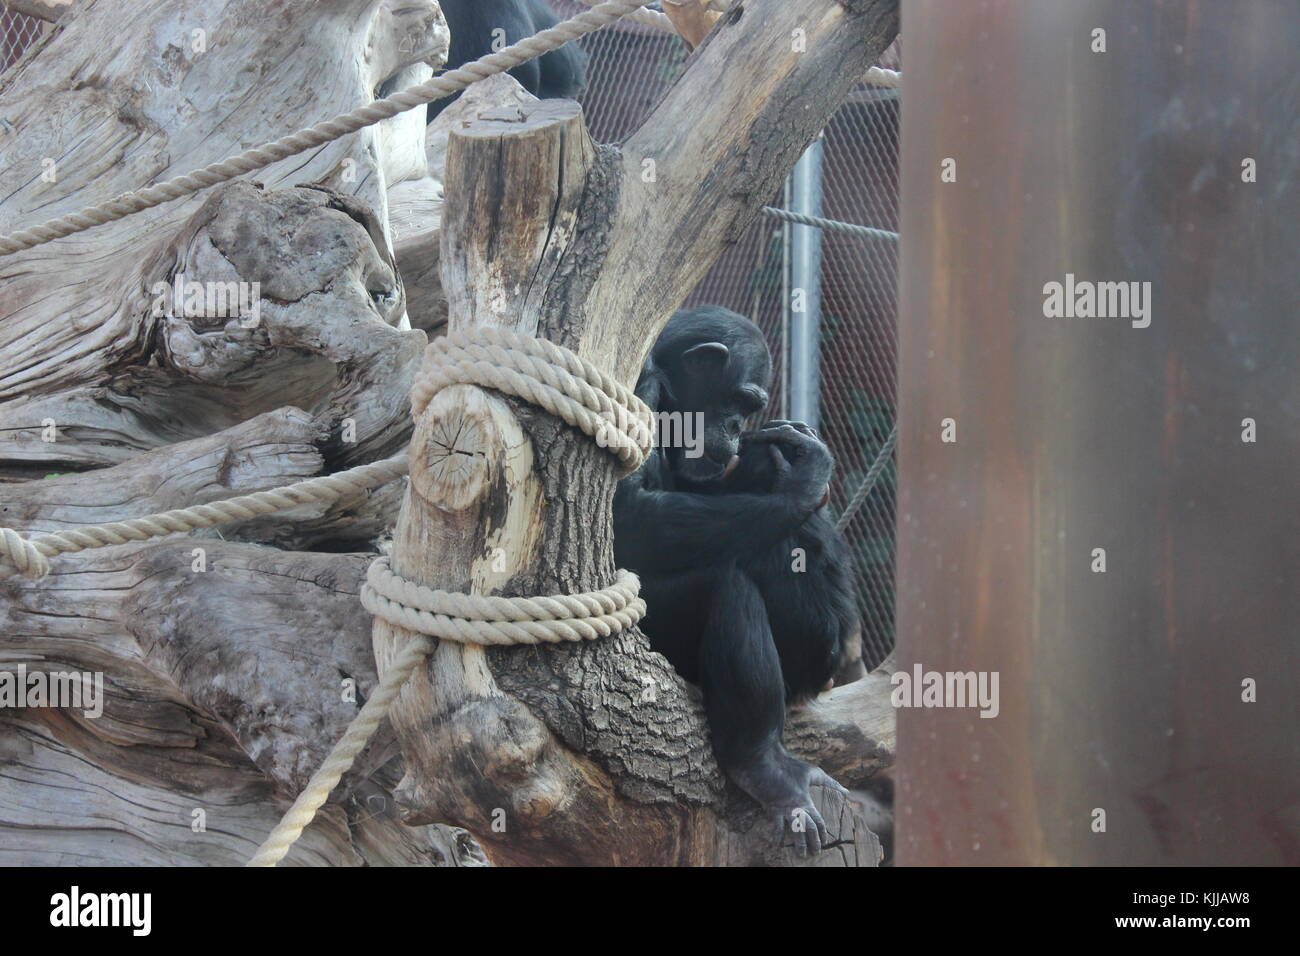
pixel 562 72
pixel 657 530
pixel 480 27
pixel 661 529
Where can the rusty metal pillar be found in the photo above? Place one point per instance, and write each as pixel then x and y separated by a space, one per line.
pixel 1163 150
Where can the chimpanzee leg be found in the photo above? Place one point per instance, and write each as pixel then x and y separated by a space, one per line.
pixel 744 696
pixel 740 672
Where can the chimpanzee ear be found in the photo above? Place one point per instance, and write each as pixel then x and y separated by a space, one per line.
pixel 707 358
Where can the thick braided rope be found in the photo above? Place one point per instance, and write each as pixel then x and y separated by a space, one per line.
pixel 532 369
pixel 340 759
pixel 494 620
pixel 27 556
pixel 869 480
pixel 651 18
pixel 291 144
pixel 546 375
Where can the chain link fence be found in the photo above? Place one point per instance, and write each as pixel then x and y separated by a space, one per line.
pixel 17 32
pixel 630 67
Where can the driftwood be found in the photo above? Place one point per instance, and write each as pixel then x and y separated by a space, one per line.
pixel 92 355
pixel 224 689
pixel 193 408
pixel 415 206
pixel 225 669
pixel 274 449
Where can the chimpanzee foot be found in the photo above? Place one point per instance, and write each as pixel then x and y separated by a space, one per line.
pixel 782 784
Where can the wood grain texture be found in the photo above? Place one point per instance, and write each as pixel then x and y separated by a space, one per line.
pixel 110 109
pixel 223 685
pixel 223 690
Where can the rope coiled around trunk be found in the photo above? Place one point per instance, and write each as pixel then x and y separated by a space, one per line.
pixel 493 620
pixel 569 387
pixel 546 375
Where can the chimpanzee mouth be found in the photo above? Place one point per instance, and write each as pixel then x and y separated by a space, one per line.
pixel 714 477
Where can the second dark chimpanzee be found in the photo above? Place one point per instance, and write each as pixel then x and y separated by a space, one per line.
pixel 476 25
pixel 745 581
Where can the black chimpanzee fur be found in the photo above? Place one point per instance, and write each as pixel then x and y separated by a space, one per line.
pixel 714 540
pixel 805 579
pixel 560 74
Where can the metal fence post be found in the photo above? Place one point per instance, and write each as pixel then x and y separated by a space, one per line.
pixel 803 306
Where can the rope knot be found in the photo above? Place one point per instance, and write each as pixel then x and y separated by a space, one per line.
pixel 567 386
pixel 19 555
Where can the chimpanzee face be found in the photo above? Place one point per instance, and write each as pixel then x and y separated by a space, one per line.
pixel 719 387
pixel 713 367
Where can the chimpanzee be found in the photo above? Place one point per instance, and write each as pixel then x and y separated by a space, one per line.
pixel 744 579
pixel 560 74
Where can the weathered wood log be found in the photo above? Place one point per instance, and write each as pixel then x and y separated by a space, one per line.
pixel 90 376
pixel 848 732
pixel 222 694
pixel 317 260
pixel 415 206
pixel 105 358
pixel 268 451
pixel 594 753
pixel 225 683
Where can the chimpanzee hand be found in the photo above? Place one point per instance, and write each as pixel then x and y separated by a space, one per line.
pixel 797 426
pixel 782 783
pixel 803 463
